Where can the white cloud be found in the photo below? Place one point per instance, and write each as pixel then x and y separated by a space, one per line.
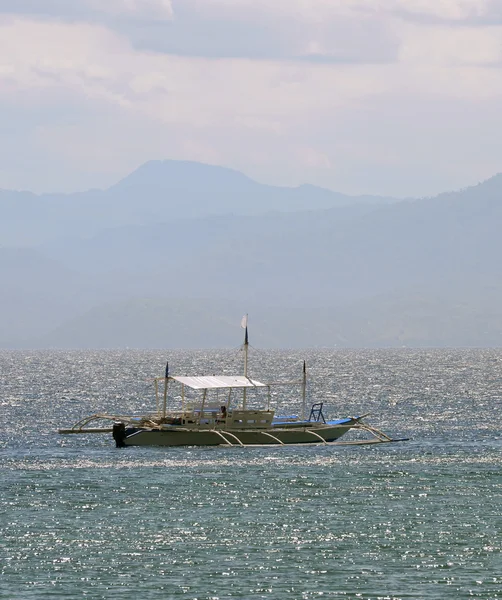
pixel 442 45
pixel 153 9
pixel 81 103
pixel 351 31
pixel 318 11
pixel 442 9
pixel 258 29
pixel 145 9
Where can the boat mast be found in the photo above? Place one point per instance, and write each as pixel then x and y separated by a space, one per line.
pixel 166 379
pixel 304 390
pixel 244 324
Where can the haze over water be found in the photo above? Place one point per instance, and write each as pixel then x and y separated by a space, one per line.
pixel 419 519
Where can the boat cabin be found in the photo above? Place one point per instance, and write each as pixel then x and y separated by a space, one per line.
pixel 229 411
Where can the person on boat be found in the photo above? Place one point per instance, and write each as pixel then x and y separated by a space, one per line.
pixel 223 410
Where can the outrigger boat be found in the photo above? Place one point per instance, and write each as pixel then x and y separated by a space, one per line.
pixel 228 421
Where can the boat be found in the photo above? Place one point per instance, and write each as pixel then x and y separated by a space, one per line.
pixel 221 414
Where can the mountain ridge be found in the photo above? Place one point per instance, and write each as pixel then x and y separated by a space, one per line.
pixel 157 190
pixel 423 271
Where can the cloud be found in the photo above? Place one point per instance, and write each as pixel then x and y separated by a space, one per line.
pixel 343 40
pixel 82 102
pixel 443 45
pixel 319 31
pixel 239 29
pixel 152 9
pixel 90 9
pixel 471 13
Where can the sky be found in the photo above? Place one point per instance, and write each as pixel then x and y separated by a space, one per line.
pixel 393 97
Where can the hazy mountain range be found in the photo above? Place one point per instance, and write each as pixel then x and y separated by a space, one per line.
pixel 174 254
pixel 157 192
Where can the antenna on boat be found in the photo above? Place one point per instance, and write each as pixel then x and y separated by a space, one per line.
pixel 304 390
pixel 244 325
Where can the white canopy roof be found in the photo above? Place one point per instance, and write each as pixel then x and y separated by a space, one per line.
pixel 218 381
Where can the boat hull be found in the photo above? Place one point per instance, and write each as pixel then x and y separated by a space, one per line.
pixel 218 437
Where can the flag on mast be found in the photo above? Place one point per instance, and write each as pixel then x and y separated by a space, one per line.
pixel 244 325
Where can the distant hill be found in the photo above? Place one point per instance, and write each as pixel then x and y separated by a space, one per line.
pixel 322 257
pixel 424 272
pixel 158 191
pixel 35 294
pixel 416 317
pixel 191 189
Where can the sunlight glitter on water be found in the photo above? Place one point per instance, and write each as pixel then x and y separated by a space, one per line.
pixel 414 520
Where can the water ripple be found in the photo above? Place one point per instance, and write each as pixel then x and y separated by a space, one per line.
pixel 418 520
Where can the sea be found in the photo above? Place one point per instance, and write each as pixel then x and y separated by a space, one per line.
pixel 417 519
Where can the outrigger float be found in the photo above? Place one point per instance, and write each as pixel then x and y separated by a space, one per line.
pixel 228 421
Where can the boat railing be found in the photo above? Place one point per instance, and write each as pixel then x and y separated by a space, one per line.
pixel 250 419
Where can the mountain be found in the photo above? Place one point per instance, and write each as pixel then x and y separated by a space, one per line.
pixel 191 189
pixel 34 293
pixel 311 258
pixel 415 317
pixel 158 191
pixel 149 322
pixel 425 272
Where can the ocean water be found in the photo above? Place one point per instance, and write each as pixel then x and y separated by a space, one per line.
pixel 419 519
